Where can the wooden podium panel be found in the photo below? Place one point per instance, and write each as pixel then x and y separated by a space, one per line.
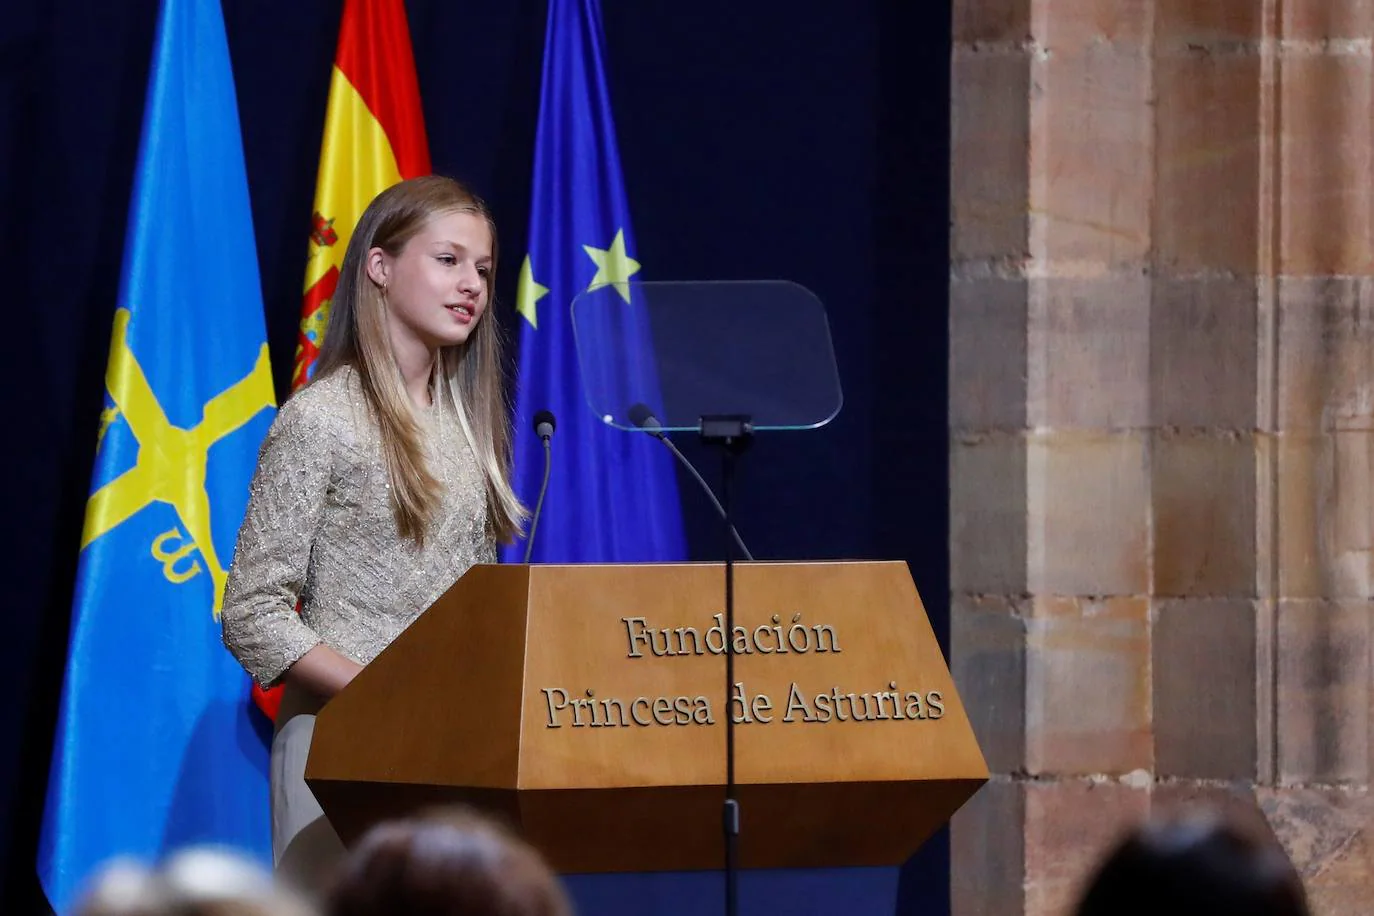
pixel 585 704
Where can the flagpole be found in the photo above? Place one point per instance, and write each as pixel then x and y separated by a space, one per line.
pixel 733 434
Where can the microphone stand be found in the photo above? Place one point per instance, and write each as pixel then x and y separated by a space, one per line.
pixel 734 434
pixel 650 425
pixel 544 425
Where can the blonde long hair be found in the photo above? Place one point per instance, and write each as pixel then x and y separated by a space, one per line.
pixel 468 378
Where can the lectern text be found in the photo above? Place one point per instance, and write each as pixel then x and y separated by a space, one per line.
pixel 575 708
pixel 771 638
pixel 566 708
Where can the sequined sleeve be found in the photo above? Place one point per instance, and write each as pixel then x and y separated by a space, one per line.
pixel 287 499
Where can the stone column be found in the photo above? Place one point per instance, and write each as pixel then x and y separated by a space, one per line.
pixel 1315 461
pixel 1161 401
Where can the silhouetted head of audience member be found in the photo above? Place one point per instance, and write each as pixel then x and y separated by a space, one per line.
pixel 451 863
pixel 197 882
pixel 1194 865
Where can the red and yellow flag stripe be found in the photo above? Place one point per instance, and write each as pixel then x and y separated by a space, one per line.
pixel 374 136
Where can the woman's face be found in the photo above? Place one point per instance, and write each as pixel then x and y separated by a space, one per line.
pixel 438 286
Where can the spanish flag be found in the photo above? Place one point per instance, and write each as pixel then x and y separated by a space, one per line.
pixel 374 136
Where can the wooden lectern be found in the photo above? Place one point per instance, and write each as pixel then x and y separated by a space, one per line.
pixel 585 705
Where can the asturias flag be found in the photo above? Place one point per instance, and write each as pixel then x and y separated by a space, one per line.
pixel 612 495
pixel 154 746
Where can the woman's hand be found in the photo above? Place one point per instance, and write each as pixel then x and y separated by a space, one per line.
pixel 323 672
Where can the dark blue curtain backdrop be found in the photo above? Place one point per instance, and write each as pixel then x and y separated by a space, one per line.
pixel 800 139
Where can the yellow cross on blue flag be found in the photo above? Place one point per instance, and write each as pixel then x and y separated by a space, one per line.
pixel 612 495
pixel 154 749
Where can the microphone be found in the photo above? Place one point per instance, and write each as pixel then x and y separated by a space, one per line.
pixel 544 425
pixel 642 417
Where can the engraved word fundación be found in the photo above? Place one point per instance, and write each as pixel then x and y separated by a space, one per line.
pixel 586 709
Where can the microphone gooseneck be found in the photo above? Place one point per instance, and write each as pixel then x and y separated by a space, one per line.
pixel 641 416
pixel 544 425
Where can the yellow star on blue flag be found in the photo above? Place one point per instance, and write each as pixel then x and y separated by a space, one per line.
pixel 613 265
pixel 528 292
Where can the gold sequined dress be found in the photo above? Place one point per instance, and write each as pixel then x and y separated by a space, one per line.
pixel 319 528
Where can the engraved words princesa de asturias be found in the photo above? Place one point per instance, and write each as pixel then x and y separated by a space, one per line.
pixel 777 637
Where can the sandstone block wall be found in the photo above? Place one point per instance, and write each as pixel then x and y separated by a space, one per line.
pixel 1162 412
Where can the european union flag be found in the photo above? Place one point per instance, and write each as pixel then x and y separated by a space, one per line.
pixel 154 748
pixel 612 495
